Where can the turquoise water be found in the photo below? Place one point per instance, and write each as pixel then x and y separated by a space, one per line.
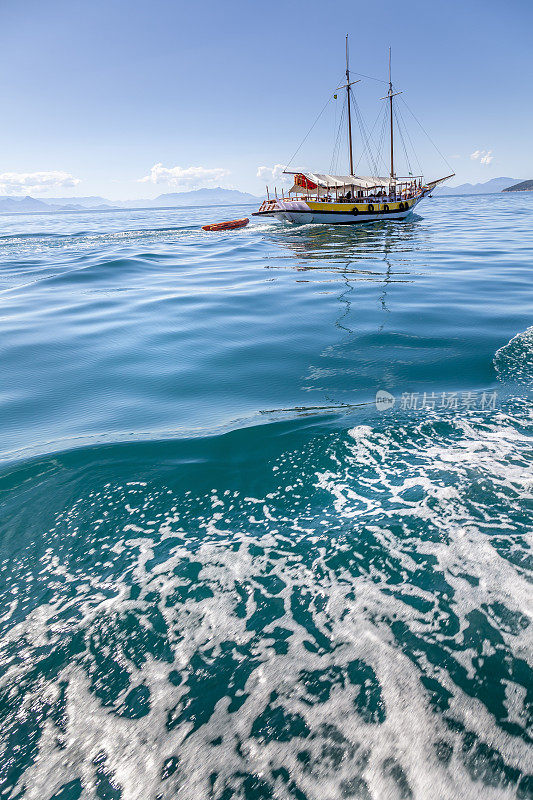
pixel 205 596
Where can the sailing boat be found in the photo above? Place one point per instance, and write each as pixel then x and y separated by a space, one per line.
pixel 350 199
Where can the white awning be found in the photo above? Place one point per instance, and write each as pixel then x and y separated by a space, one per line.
pixel 321 184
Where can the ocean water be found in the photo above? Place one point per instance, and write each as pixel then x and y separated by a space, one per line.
pixel 224 572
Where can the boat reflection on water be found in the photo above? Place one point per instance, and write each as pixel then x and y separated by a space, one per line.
pixel 373 273
pixel 362 251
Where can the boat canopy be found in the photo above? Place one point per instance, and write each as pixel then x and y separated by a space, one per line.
pixel 323 184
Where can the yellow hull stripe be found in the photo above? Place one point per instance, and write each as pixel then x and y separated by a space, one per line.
pixel 347 208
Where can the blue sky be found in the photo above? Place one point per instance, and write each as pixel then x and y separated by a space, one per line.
pixel 94 95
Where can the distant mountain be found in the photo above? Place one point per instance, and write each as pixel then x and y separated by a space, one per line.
pixel 494 185
pixel 28 204
pixel 205 197
pixel 524 186
pixel 77 202
pixel 22 204
pixel 198 197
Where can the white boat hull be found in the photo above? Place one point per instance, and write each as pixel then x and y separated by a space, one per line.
pixel 302 213
pixel 337 219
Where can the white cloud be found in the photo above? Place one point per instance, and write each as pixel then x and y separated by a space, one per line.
pixel 484 156
pixel 274 173
pixel 185 177
pixel 35 182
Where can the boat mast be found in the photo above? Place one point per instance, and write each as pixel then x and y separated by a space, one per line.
pixel 347 87
pixel 391 122
pixel 349 108
pixel 390 94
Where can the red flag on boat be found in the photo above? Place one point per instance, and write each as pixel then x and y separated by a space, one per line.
pixel 305 183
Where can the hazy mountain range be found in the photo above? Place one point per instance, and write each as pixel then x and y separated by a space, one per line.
pixel 523 186
pixel 494 185
pixel 198 197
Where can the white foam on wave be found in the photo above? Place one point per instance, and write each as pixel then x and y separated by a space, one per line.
pixel 514 361
pixel 406 494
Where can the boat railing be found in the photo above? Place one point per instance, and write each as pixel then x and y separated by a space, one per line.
pixel 367 199
pixel 268 205
pixel 271 205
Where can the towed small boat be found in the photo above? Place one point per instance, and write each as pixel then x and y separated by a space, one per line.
pixel 227 226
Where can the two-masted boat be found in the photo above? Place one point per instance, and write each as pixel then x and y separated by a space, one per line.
pixel 350 199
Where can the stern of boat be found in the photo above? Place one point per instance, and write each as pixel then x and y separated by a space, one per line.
pixel 296 211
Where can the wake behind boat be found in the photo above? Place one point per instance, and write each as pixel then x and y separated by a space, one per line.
pixel 350 199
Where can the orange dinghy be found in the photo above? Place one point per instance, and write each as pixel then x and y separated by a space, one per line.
pixel 227 226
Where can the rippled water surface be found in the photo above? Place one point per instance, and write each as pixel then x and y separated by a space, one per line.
pixel 224 573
